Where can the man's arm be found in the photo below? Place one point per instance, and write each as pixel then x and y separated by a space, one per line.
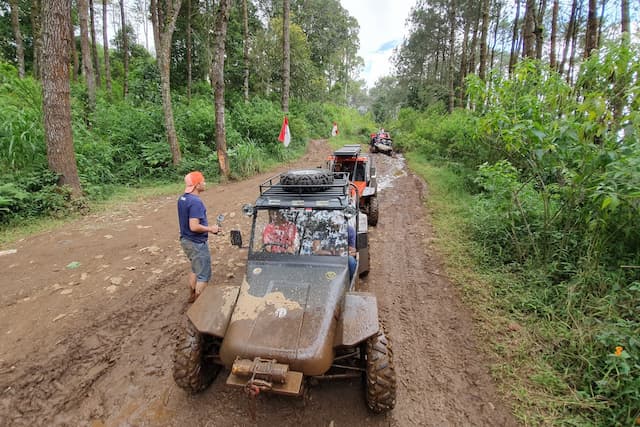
pixel 196 227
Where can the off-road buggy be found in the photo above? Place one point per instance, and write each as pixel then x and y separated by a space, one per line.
pixel 381 142
pixel 297 314
pixel 362 173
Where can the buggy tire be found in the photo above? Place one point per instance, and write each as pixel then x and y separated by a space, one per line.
pixel 191 371
pixel 372 214
pixel 306 180
pixel 380 374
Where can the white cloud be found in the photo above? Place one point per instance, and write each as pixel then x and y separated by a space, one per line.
pixel 382 27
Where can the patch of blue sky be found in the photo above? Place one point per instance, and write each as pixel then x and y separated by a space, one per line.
pixel 387 46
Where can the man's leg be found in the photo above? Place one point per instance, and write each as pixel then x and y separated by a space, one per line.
pixel 192 287
pixel 190 251
pixel 200 287
pixel 202 266
pixel 192 280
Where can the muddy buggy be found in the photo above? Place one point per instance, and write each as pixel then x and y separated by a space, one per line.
pixel 362 173
pixel 297 315
pixel 381 142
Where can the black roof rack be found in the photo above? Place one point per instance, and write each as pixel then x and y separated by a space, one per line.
pixel 332 196
pixel 350 150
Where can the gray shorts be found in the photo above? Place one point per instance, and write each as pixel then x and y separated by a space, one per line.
pixel 200 257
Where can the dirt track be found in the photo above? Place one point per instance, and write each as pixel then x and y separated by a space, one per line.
pixel 91 344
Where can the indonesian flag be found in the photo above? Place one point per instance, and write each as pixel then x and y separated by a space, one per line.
pixel 285 133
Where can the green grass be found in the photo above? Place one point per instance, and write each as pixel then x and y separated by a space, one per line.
pixel 514 342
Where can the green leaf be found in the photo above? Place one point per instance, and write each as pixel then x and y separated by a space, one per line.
pixel 611 202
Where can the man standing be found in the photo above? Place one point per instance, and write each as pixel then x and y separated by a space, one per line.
pixel 194 233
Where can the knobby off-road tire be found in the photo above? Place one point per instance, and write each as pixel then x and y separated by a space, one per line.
pixel 380 375
pixel 191 371
pixel 306 180
pixel 372 216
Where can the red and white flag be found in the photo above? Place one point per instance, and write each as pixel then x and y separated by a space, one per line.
pixel 285 133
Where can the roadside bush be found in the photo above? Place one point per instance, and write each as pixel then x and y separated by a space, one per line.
pixel 137 136
pixel 259 121
pixel 508 234
pixel 32 194
pixel 247 158
pixel 144 82
pixel 316 116
pixel 21 131
pixel 195 122
pixel 558 182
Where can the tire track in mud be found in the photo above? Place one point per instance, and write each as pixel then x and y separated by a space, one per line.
pixel 54 383
pixel 443 380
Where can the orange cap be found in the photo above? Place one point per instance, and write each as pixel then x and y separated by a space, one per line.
pixel 192 179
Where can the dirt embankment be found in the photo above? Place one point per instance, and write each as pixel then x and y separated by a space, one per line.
pixel 88 314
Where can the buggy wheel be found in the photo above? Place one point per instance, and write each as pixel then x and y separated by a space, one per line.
pixel 380 373
pixel 306 180
pixel 373 211
pixel 191 371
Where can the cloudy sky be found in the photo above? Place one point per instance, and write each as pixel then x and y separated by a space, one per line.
pixel 382 28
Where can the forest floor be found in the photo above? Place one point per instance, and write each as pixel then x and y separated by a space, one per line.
pixel 89 311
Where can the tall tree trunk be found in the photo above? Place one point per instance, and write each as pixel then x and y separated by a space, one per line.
pixel 94 45
pixel 568 35
pixel 221 34
pixel 145 24
pixel 601 23
pixel 495 33
pixel 625 21
pixel 474 40
pixel 210 39
pixel 165 25
pixel 125 51
pixel 15 23
pixel 87 64
pixel 436 67
pixel 554 35
pixel 189 50
pixel 540 28
pixel 36 20
pixel 591 34
pixel 105 42
pixel 155 25
pixel 245 51
pixel 73 52
pixel 620 82
pixel 574 42
pixel 452 40
pixel 484 33
pixel 528 30
pixel 286 56
pixel 463 62
pixel 514 39
pixel 56 96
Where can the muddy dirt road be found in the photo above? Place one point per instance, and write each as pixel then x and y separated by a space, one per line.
pixel 88 314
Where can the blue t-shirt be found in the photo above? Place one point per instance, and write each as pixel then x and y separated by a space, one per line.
pixel 190 206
